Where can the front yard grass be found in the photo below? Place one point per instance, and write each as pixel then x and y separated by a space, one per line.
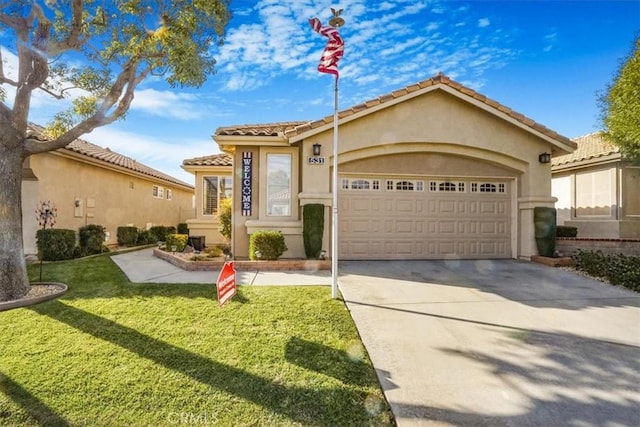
pixel 113 353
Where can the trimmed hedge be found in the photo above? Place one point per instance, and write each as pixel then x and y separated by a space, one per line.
pixel 127 236
pixel 224 218
pixel 91 239
pixel 159 232
pixel 618 269
pixel 183 228
pixel 566 231
pixel 313 229
pixel 55 244
pixel 269 243
pixel 144 238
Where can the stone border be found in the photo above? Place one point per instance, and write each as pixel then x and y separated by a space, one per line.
pixel 244 265
pixel 554 262
pixel 24 302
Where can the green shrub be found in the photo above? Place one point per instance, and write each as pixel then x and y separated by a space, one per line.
pixel 544 221
pixel 313 223
pixel 183 228
pixel 269 243
pixel 618 269
pixel 144 238
pixel 224 218
pixel 56 244
pixel 177 240
pixel 91 239
pixel 159 232
pixel 566 231
pixel 127 236
pixel 214 252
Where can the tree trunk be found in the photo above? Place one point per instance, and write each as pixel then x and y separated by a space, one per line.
pixel 14 282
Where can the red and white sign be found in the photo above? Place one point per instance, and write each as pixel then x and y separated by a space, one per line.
pixel 226 283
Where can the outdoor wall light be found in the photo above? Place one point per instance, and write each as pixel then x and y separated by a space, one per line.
pixel 258 254
pixel 316 149
pixel 544 158
pixel 323 254
pixel 77 202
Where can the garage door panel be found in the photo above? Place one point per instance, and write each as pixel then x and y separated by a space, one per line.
pixel 425 224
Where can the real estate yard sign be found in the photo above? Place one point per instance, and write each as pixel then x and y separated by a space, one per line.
pixel 226 283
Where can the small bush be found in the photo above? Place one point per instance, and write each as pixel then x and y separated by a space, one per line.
pixel 214 252
pixel 144 238
pixel 618 269
pixel 127 236
pixel 177 240
pixel 56 244
pixel 269 243
pixel 91 239
pixel 313 228
pixel 159 232
pixel 224 218
pixel 566 231
pixel 183 228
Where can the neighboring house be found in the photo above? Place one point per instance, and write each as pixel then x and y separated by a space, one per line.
pixel 431 171
pixel 598 191
pixel 214 182
pixel 89 184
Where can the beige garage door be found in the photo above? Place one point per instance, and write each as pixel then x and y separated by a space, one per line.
pixel 397 218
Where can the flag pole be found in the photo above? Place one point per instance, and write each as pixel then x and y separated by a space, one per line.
pixel 334 204
pixel 329 64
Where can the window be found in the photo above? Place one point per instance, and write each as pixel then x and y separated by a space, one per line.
pixel 404 185
pixel 169 194
pixel 215 189
pixel 488 188
pixel 158 192
pixel 279 184
pixel 447 186
pixel 360 184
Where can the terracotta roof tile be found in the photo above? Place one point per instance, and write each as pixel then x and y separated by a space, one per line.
pixel 590 146
pixel 267 129
pixel 290 129
pixel 221 159
pixel 93 151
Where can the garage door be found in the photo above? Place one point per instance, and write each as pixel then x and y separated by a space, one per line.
pixel 398 218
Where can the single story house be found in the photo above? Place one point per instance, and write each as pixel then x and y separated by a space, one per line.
pixel 89 184
pixel 597 190
pixel 434 170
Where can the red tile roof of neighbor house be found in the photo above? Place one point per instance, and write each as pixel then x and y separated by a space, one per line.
pixel 96 152
pixel 590 146
pixel 222 159
pixel 291 129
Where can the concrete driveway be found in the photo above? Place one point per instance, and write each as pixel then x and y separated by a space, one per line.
pixel 497 343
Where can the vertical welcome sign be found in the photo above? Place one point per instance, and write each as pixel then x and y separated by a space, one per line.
pixel 247 173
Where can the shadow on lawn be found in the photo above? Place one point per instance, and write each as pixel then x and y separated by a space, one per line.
pixel 33 406
pixel 338 364
pixel 303 405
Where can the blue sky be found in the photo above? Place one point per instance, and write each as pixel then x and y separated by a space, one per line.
pixel 545 59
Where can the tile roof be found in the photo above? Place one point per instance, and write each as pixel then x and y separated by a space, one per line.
pixel 291 129
pixel 267 129
pixel 590 146
pixel 222 159
pixel 93 151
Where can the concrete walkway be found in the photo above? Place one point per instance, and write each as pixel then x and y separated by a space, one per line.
pixel 142 267
pixel 497 343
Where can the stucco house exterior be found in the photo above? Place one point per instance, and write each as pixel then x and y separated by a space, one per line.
pixel 214 182
pixel 89 184
pixel 598 191
pixel 434 170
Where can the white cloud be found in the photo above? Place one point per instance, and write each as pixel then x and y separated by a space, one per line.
pixel 483 22
pixel 165 155
pixel 163 103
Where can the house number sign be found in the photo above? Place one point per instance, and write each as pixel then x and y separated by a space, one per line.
pixel 247 166
pixel 316 160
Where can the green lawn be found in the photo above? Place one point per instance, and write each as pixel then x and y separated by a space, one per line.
pixel 113 353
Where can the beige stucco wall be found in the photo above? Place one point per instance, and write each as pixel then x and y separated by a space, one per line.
pixel 613 208
pixel 104 195
pixel 434 134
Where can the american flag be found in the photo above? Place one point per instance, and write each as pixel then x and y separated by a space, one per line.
pixel 334 49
